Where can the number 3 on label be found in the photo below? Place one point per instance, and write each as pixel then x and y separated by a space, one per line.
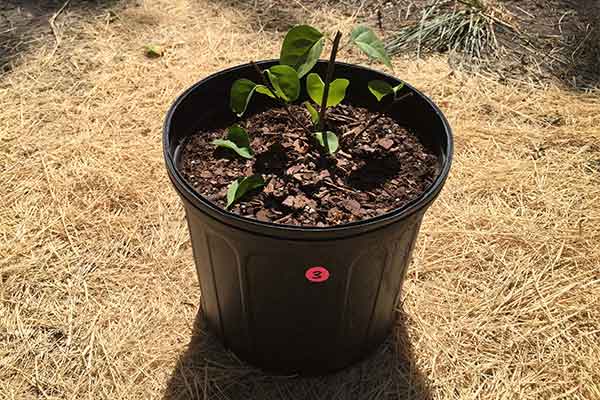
pixel 317 274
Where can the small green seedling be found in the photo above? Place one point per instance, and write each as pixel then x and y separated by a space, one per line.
pixel 237 140
pixel 329 141
pixel 241 186
pixel 301 49
pixel 337 91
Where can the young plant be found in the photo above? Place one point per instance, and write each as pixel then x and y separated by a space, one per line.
pixel 301 49
pixel 331 92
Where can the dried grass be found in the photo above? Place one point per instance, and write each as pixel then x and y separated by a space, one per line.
pixel 97 288
pixel 468 30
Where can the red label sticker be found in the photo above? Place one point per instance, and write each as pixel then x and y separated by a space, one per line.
pixel 317 274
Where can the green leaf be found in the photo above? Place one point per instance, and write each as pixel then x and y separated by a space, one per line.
pixel 238 135
pixel 397 88
pixel 314 115
pixel 245 152
pixel 367 41
pixel 241 92
pixel 262 89
pixel 285 81
pixel 237 140
pixel 380 89
pixel 329 141
pixel 301 49
pixel 315 88
pixel 337 92
pixel 241 186
pixel 154 51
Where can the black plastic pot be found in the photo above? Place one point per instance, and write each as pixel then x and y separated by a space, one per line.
pixel 294 299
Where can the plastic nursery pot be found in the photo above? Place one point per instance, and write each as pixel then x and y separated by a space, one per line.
pixel 293 299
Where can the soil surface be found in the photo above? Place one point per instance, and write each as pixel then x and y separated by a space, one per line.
pixel 372 173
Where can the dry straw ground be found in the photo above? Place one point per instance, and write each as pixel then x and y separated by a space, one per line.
pixel 97 290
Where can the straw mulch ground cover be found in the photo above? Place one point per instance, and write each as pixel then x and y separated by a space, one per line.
pixel 98 294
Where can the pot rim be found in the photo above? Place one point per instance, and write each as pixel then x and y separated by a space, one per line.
pixel 292 231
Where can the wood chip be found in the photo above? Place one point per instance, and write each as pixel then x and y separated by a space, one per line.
pixel 262 215
pixel 294 169
pixel 270 188
pixel 299 202
pixel 353 206
pixel 386 143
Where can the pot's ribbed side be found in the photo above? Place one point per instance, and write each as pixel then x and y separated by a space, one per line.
pixel 258 301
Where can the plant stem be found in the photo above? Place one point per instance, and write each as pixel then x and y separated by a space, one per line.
pixel 382 113
pixel 272 90
pixel 328 78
